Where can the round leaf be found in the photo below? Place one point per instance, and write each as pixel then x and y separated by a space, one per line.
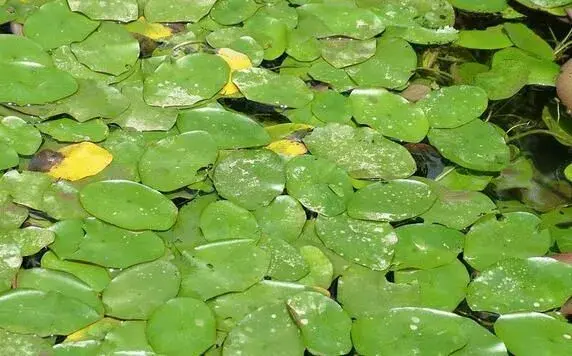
pixel 68 130
pixel 22 137
pixel 391 201
pixel 283 219
pixel 330 106
pixel 367 243
pixel 116 10
pixel 181 326
pixel 286 263
pixel 177 10
pixel 137 291
pixel 343 52
pixel 224 220
pixel 251 179
pixel 128 205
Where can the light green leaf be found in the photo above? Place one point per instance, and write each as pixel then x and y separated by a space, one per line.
pixel 362 152
pixel 270 33
pixel 24 345
pixel 283 219
pixel 490 38
pixel 422 35
pixel 526 39
pixel 10 262
pixel 30 240
pixel 224 220
pixel 325 326
pixel 453 106
pixel 111 49
pixel 61 201
pixel 26 188
pixel 484 6
pixel 442 287
pixel 22 137
pixel 135 292
pixel 366 243
pixel 457 178
pixel 331 106
pixel 95 276
pixel 476 145
pixel 504 80
pixel 425 246
pixel 128 337
pixel 321 269
pixel 231 12
pixel 186 81
pixel 230 130
pixel 177 10
pixel 8 157
pixel 516 285
pixel 68 130
pixel 54 25
pixel 541 71
pixel 176 161
pixel 43 313
pixel 344 52
pixel 268 330
pixel 493 239
pixel 390 114
pixel 286 263
pixel 251 179
pixel 338 79
pixel 128 205
pixel 116 10
pixel 182 326
pixel 267 87
pixel 105 245
pixel 394 200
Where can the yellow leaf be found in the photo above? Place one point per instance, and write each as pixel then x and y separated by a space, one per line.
pixel 236 61
pixel 154 31
pixel 288 148
pixel 81 160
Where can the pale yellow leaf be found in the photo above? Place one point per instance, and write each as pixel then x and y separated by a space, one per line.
pixel 288 148
pixel 154 31
pixel 81 160
pixel 236 61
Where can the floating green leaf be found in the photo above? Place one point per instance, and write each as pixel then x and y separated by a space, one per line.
pixel 135 292
pixel 490 38
pixel 504 80
pixel 224 220
pixel 176 161
pixel 286 263
pixel 283 219
pixel 95 276
pixel 367 243
pixel 318 184
pixel 485 6
pixel 19 135
pixel 425 246
pixel 68 130
pixel 177 10
pixel 8 156
pixel 524 38
pixel 128 205
pixel 116 10
pixel 344 52
pixel 453 106
pixel 258 173
pixel 331 106
pixel 394 200
pixel 28 311
pixel 26 188
pixel 476 145
pixel 268 330
pixel 10 262
pixel 111 49
pixel 516 285
pixel 54 25
pixel 25 345
pixel 362 152
pixel 186 81
pixel 262 85
pixel 493 239
pixel 105 245
pixel 325 326
pixel 229 129
pixel 230 12
pixel 321 269
pixel 534 333
pixel 541 71
pixel 390 114
pixel 30 239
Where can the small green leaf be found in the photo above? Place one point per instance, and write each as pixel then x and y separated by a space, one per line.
pixel 10 262
pixel 231 12
pixel 135 292
pixel 27 188
pixel 524 38
pixel 516 285
pixel 490 38
pixel 283 219
pixel 394 200
pixel 24 345
pixel 493 239
pixel 367 243
pixel 95 276
pixel 286 263
pixel 11 215
pixel 541 71
pixel 270 33
pixel 30 239
pixel 17 134
pixel 344 52
pixel 325 326
pixel 321 269
pixel 177 10
pixel 504 80
pixel 61 201
pixel 128 205
pixel 331 106
pixel 123 10
pixel 484 6
pixel 181 326
pixel 68 130
pixel 224 220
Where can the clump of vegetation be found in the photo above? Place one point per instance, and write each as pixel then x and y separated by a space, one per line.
pixel 285 177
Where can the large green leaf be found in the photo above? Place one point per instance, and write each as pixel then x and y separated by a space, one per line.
pixel 542 71
pixel 44 313
pixel 128 337
pixel 267 87
pixel 367 243
pixel 362 152
pixel 24 345
pixel 231 12
pixel 54 25
pixel 505 79
pixel 30 240
pixel 390 114
pixel 177 10
pixel 286 262
pixel 175 162
pixel 224 220
pixel 128 205
pixel 344 52
pixel 96 277
pixel 318 184
pixel 186 81
pixel 476 145
pixel 394 200
pixel 490 38
pixel 515 285
pixel 331 106
pixel 229 129
pixel 111 49
pixel 325 326
pixel 181 326
pixel 27 74
pixel 135 292
pixel 283 219
pixel 222 267
pixel 26 188
pixel 516 234
pixel 251 179
pixel 17 134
